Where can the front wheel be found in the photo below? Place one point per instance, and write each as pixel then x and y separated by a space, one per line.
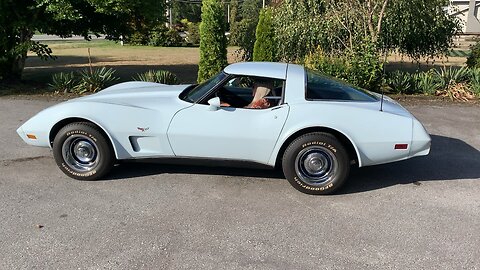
pixel 316 163
pixel 82 152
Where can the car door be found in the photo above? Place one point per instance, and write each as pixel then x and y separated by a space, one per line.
pixel 227 133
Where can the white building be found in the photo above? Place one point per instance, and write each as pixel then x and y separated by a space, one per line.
pixel 468 12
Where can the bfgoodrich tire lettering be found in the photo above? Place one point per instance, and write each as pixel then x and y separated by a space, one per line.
pixel 316 163
pixel 82 152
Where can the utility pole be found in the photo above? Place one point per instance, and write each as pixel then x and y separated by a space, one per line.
pixel 263 3
pixel 169 13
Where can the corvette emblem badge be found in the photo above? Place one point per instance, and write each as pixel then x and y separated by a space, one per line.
pixel 143 129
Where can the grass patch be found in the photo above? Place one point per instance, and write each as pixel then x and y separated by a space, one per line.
pixel 71 44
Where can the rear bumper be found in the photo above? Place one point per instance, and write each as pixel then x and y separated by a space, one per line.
pixel 421 141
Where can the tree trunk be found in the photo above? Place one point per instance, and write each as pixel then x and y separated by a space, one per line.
pixel 19 63
pixel 12 67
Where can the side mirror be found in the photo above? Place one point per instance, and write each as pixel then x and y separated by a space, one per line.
pixel 214 104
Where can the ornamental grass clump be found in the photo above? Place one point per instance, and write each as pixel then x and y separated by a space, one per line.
pixel 157 76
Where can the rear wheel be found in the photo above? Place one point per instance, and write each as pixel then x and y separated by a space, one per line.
pixel 82 152
pixel 316 163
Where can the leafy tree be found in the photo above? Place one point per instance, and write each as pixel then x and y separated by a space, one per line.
pixel 213 43
pixel 265 47
pixel 416 28
pixel 419 28
pixel 19 19
pixel 300 25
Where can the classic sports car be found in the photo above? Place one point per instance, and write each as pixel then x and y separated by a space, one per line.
pixel 275 114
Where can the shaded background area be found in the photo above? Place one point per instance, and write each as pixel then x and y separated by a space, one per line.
pixel 126 60
pixel 183 61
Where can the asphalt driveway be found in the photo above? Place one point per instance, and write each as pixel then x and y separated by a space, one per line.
pixel 422 213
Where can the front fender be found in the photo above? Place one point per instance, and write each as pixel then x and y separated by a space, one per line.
pixel 119 122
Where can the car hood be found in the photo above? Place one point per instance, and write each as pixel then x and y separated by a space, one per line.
pixel 136 94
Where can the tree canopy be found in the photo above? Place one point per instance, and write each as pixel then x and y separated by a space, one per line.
pixel 19 19
pixel 416 28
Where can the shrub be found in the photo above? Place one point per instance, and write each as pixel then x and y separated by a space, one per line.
pixel 333 66
pixel 473 61
pixel 193 32
pixel 360 67
pixel 138 38
pixel 157 76
pixel 365 68
pixel 173 39
pixel 265 47
pixel 165 37
pixel 63 82
pixel 400 82
pixel 213 43
pixel 95 79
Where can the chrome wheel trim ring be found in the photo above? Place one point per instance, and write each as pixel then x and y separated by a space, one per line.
pixel 316 166
pixel 80 153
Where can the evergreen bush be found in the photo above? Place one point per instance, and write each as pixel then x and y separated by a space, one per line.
pixel 213 43
pixel 265 47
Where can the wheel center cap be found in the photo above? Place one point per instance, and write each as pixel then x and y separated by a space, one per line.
pixel 315 163
pixel 84 151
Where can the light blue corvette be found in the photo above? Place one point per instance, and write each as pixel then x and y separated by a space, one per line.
pixel 274 114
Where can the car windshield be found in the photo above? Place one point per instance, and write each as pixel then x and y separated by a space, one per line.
pixel 321 87
pixel 194 94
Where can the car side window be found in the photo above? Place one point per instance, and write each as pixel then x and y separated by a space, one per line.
pixel 321 87
pixel 249 92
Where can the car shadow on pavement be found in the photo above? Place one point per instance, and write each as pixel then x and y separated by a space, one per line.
pixel 449 159
pixel 154 167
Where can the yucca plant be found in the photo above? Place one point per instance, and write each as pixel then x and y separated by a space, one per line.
pixel 95 79
pixel 63 82
pixel 157 76
pixel 475 80
pixel 451 75
pixel 426 82
pixel 400 82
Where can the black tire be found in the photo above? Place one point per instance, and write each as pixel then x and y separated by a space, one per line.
pixel 82 152
pixel 316 163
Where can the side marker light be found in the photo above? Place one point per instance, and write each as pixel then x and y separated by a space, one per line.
pixel 401 146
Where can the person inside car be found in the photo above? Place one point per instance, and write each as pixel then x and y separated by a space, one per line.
pixel 260 91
